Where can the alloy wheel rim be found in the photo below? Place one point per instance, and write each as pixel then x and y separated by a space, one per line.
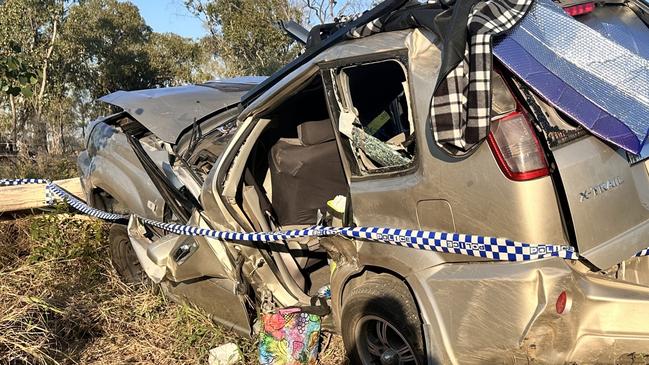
pixel 380 343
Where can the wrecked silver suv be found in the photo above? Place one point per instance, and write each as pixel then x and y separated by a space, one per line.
pixel 343 134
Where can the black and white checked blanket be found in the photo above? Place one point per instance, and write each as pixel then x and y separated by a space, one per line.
pixel 460 109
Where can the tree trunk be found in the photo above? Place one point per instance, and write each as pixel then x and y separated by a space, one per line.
pixel 42 129
pixel 14 119
pixel 22 116
pixel 62 135
pixel 57 134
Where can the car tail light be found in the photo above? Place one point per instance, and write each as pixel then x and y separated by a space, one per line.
pixel 580 9
pixel 516 148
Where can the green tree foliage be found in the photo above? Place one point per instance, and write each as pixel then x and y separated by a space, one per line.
pixel 326 11
pixel 16 75
pixel 175 59
pixel 31 26
pixel 110 41
pixel 58 56
pixel 245 36
pixel 72 52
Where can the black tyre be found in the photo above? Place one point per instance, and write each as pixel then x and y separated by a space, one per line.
pixel 381 325
pixel 123 256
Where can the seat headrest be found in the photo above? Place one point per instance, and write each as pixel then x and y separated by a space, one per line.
pixel 315 132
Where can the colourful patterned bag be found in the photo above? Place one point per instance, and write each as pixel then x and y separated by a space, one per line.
pixel 291 336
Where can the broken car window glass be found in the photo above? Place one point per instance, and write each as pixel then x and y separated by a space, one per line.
pixel 381 134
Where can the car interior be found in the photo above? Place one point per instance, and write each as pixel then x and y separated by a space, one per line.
pixel 382 137
pixel 294 167
pixel 293 170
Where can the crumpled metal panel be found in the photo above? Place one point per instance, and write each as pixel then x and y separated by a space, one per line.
pixel 597 81
pixel 168 111
pixel 506 314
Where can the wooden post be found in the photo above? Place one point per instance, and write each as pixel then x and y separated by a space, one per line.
pixel 24 197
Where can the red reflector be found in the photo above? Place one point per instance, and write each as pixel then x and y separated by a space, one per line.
pixel 562 302
pixel 580 9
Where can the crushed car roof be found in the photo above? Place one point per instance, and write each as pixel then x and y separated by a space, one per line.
pixel 166 112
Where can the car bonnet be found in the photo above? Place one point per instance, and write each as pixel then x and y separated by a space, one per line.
pixel 167 112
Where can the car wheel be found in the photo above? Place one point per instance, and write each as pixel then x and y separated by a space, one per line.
pixel 381 323
pixel 123 256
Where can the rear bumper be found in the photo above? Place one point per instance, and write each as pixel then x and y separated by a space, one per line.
pixel 505 312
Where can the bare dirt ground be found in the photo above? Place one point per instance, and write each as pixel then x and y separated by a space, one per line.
pixel 61 302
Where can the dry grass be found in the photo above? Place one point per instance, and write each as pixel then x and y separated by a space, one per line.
pixel 53 167
pixel 61 302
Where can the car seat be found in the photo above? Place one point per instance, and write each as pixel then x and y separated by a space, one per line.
pixel 306 173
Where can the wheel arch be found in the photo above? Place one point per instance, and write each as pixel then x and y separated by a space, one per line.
pixel 361 275
pixel 121 199
pixel 101 199
pixel 354 280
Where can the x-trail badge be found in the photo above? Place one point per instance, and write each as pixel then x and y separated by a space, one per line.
pixel 599 189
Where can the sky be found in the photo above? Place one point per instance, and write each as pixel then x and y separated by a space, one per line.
pixel 170 16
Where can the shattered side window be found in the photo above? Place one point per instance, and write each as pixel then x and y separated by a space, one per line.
pixel 376 117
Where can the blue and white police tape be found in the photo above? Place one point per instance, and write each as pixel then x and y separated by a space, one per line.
pixel 644 252
pixel 10 182
pixel 470 245
pixel 77 204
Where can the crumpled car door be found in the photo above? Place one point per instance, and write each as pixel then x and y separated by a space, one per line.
pixel 198 269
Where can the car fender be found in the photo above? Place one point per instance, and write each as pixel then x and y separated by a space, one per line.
pixel 401 262
pixel 110 165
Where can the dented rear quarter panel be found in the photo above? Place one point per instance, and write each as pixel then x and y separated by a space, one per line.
pixel 485 312
pixel 505 312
